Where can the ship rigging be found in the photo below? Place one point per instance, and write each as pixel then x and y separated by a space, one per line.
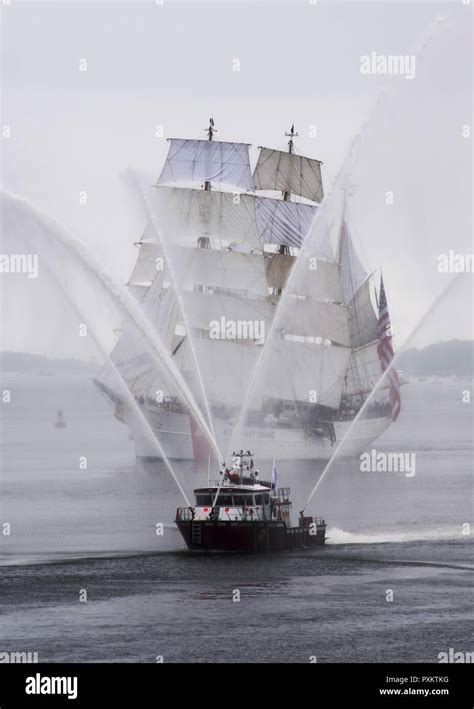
pixel 223 239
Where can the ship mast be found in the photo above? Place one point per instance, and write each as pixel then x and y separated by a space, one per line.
pixel 283 249
pixel 291 149
pixel 203 241
pixel 210 134
pixel 349 189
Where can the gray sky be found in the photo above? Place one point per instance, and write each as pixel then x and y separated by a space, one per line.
pixel 172 65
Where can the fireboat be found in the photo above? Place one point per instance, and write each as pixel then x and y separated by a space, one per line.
pixel 240 513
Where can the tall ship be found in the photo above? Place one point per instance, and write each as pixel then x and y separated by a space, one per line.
pixel 272 323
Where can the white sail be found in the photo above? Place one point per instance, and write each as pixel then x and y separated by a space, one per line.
pixel 283 222
pixel 146 383
pixel 312 318
pixel 364 366
pixel 318 240
pixel 302 371
pixel 303 316
pixel 224 367
pixel 190 214
pixel 163 312
pixel 131 356
pixel 138 291
pixel 147 265
pixel 353 273
pixel 206 309
pixel 363 370
pixel 223 269
pixel 298 175
pixel 207 161
pixel 294 372
pixel 362 318
pixel 149 235
pixel 317 278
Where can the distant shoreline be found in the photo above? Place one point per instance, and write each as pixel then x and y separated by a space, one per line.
pixel 27 363
pixel 442 359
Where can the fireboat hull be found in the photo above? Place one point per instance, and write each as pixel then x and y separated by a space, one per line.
pixel 247 536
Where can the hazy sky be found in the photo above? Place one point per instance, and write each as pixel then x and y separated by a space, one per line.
pixel 172 65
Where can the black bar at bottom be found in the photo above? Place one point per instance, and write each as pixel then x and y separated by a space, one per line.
pixel 149 685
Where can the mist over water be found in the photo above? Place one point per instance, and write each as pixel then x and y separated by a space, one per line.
pixel 68 260
pixel 116 502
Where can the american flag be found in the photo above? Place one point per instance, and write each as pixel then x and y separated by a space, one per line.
pixel 385 351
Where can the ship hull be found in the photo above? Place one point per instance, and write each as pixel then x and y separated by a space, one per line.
pixel 247 537
pixel 181 439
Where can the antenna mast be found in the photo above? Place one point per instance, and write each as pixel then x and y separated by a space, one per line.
pixel 291 149
pixel 291 135
pixel 283 249
pixel 204 241
pixel 210 134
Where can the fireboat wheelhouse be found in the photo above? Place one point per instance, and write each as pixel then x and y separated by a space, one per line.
pixel 240 513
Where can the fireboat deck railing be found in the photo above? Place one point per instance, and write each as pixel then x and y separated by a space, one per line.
pixel 185 514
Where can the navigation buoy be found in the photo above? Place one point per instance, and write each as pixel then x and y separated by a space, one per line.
pixel 60 422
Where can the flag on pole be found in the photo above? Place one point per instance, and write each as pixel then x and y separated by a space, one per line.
pixel 274 476
pixel 385 351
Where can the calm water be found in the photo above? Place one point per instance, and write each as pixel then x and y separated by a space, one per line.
pixel 94 529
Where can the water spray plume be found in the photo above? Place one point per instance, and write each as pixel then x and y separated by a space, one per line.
pixel 437 25
pixel 128 395
pixel 122 298
pixel 379 383
pixel 174 280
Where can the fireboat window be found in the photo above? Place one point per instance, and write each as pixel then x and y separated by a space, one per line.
pixel 258 499
pixel 241 500
pixel 203 500
pixel 207 500
pixel 224 500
